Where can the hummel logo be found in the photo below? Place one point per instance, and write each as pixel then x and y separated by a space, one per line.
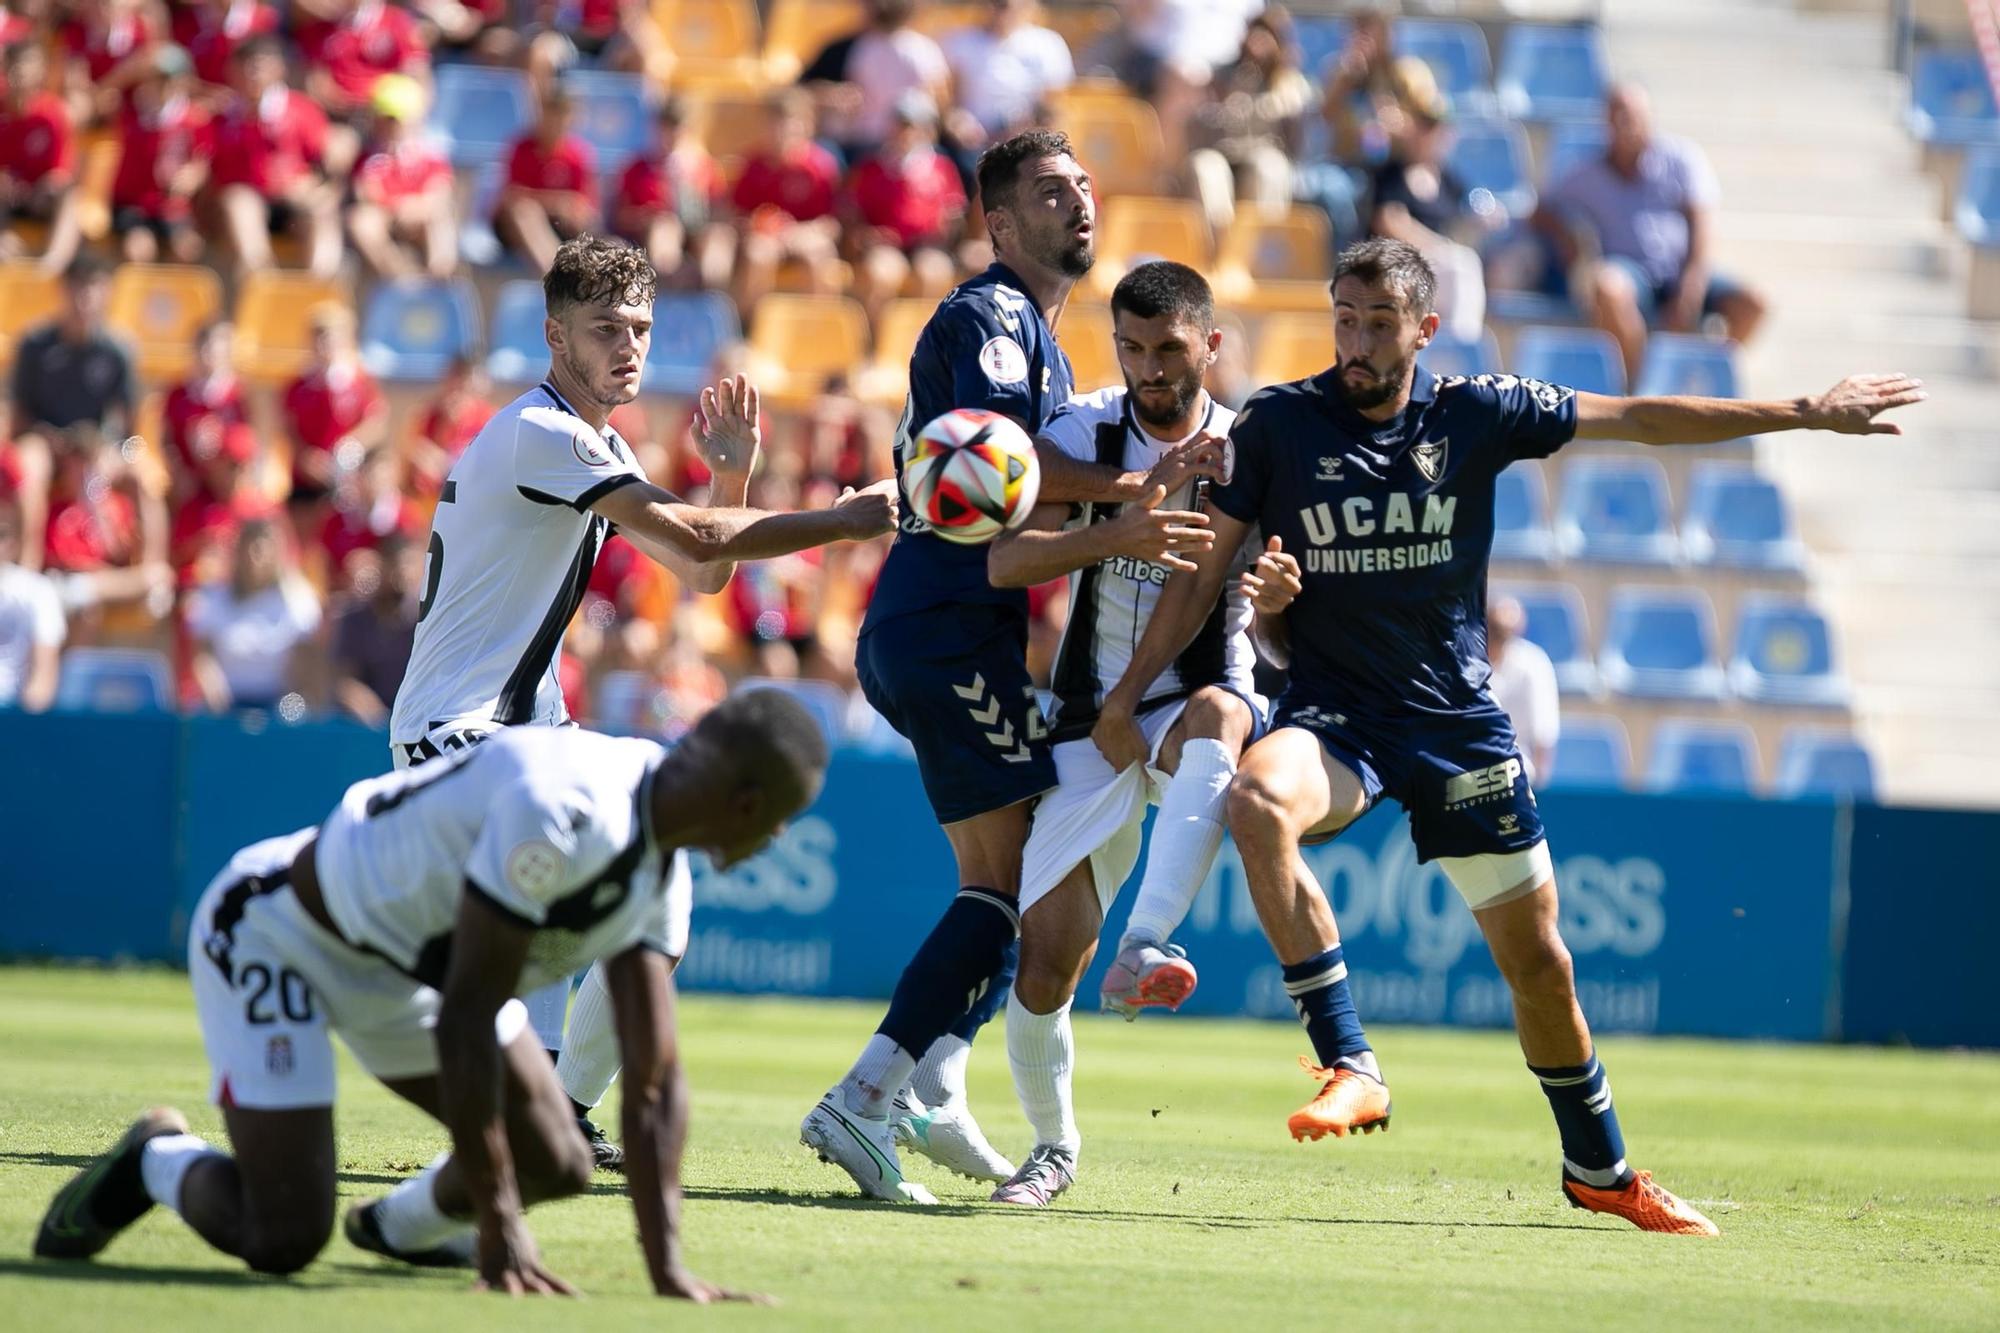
pixel 1329 469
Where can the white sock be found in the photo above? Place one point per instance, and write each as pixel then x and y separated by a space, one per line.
pixel 589 1060
pixel 940 1076
pixel 410 1217
pixel 1042 1051
pixel 875 1078
pixel 164 1163
pixel 545 1010
pixel 1186 836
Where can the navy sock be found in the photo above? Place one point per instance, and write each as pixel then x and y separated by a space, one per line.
pixel 1318 986
pixel 995 995
pixel 952 968
pixel 1593 1145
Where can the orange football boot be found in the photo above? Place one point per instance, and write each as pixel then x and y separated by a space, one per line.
pixel 1350 1103
pixel 1642 1203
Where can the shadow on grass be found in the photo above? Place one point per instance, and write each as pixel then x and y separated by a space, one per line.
pixel 77 1161
pixel 149 1274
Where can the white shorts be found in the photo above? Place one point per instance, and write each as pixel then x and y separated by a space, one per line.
pixel 271 985
pixel 442 740
pixel 1493 878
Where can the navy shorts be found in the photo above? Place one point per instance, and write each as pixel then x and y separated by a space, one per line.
pixel 954 681
pixel 1460 778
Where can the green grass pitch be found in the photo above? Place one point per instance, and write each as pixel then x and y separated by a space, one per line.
pixel 1855 1188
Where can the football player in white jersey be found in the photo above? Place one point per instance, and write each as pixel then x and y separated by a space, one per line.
pixel 405 923
pixel 517 531
pixel 1196 718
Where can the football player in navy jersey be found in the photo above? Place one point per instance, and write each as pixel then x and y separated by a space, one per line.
pixel 943 656
pixel 1379 476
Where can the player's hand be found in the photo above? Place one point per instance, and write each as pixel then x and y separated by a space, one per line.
pixel 1118 738
pixel 1203 456
pixel 1274 581
pixel 510 1263
pixel 870 511
pixel 1148 532
pixel 726 426
pixel 685 1286
pixel 1851 406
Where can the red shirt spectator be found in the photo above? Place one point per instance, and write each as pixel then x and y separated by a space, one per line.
pixel 104 45
pixel 197 414
pixel 913 198
pixel 596 21
pixel 568 165
pixel 451 426
pixel 212 32
pixel 204 531
pixel 14 28
pixel 362 527
pixel 802 182
pixel 85 535
pixel 390 176
pixel 684 180
pixel 155 146
pixel 36 145
pixel 371 40
pixel 271 144
pixel 322 407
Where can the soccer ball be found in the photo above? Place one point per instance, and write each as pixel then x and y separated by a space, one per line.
pixel 971 475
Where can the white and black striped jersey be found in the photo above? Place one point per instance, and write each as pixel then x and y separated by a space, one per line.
pixel 551 825
pixel 1111 602
pixel 511 549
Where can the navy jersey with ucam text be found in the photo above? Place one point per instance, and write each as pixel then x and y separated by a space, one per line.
pixel 1392 524
pixel 987 347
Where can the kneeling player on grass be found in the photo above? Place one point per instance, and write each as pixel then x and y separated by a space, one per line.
pixel 1380 477
pixel 406 922
pixel 1196 717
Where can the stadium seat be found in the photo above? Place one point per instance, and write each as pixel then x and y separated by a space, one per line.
pixel 1283 263
pixel 1977 212
pixel 1085 335
pixel 1592 754
pixel 1571 144
pixel 1492 155
pixel 1660 644
pixel 689 328
pixel 1822 763
pixel 728 127
pixel 1738 519
pixel 886 377
pixel 799 341
pixel 1133 229
pixel 114 680
pixel 614 113
pixel 1521 514
pixel 412 328
pixel 1292 347
pixel 796 30
pixel 1583 359
pixel 1080 26
pixel 711 39
pixel 519 352
pixel 1120 139
pixel 1446 356
pixel 1784 654
pixel 1951 99
pixel 1321 37
pixel 160 308
pixel 1688 363
pixel 1552 72
pixel 1456 52
pixel 480 111
pixel 1702 758
pixel 935 19
pixel 1615 509
pixel 28 297
pixel 1560 627
pixel 828 703
pixel 478 246
pixel 273 333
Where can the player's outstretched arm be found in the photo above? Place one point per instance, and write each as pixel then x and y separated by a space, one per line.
pixel 728 430
pixel 1040 550
pixel 655 1117
pixel 1848 408
pixel 671 530
pixel 1065 478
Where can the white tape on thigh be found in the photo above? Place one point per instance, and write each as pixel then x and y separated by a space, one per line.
pixel 510 1022
pixel 1491 878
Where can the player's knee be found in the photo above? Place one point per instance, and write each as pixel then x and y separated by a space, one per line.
pixel 1258 804
pixel 1043 985
pixel 1610 286
pixel 1218 714
pixel 284 1250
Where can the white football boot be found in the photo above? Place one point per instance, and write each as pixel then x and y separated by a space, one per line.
pixel 864 1148
pixel 949 1136
pixel 1048 1171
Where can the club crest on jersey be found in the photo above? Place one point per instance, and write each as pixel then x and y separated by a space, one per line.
pixel 1429 456
pixel 278 1059
pixel 590 451
pixel 534 866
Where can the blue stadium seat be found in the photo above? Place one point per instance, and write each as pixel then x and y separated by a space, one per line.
pixel 1738 519
pixel 1456 52
pixel 1784 654
pixel 1493 155
pixel 1951 99
pixel 1660 644
pixel 520 354
pixel 1321 37
pixel 1702 757
pixel 1823 763
pixel 828 703
pixel 1521 514
pixel 1585 359
pixel 1978 209
pixel 1615 509
pixel 481 111
pixel 478 246
pixel 1446 356
pixel 1592 753
pixel 689 328
pixel 1688 363
pixel 1571 144
pixel 413 327
pixel 1552 73
pixel 614 113
pixel 114 680
pixel 1559 626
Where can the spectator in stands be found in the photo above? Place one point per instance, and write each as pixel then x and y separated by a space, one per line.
pixel 858 78
pixel 480 31
pixel 551 191
pixel 1252 127
pixel 32 625
pixel 211 30
pixel 109 48
pixel 107 530
pixel 37 161
pixel 211 513
pixel 1636 230
pixel 350 46
pixel 200 408
pixel 404 218
pixel 774 605
pixel 1523 684
pixel 785 198
pixel 372 637
pixel 1168 50
pixel 1360 88
pixel 448 424
pixel 602 34
pixel 166 138
pixel 247 628
pixel 369 507
pixel 1003 68
pixel 846 442
pixel 906 209
pixel 271 172
pixel 334 414
pixel 1415 197
pixel 667 203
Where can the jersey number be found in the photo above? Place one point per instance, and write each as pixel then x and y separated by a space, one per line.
pixel 433 571
pixel 293 996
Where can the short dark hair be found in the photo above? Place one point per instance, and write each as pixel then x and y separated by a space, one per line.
pixel 1000 166
pixel 87 268
pixel 262 44
pixel 594 270
pixel 764 735
pixel 1397 265
pixel 1163 287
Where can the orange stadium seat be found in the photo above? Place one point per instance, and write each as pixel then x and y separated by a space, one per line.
pixel 937 20
pixel 798 29
pixel 713 41
pixel 1118 140
pixel 796 342
pixel 728 126
pixel 1292 347
pixel 1085 335
pixel 273 338
pixel 1132 229
pixel 161 307
pixel 1271 264
pixel 27 297
pixel 886 379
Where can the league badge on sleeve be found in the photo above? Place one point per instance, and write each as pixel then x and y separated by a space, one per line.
pixel 1003 361
pixel 590 450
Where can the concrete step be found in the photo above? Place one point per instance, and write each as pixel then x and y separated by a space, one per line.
pixel 1801 288
pixel 1859 192
pixel 1912 243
